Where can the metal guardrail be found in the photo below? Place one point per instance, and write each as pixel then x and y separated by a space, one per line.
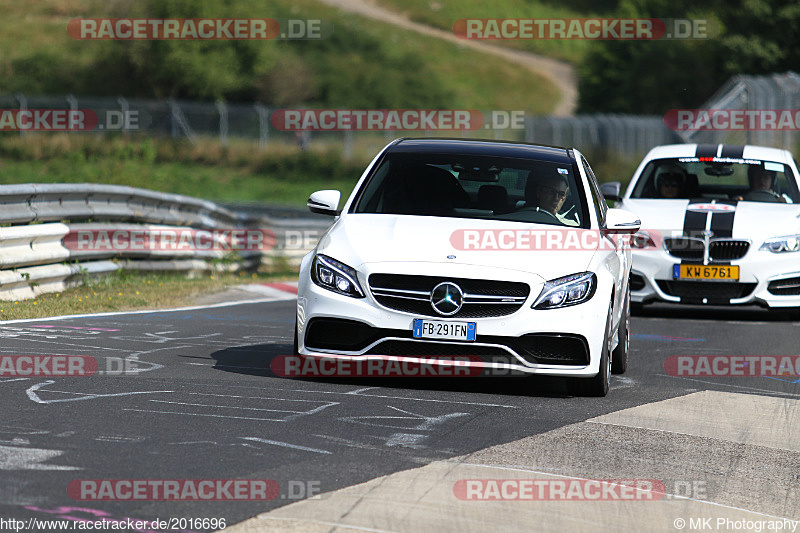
pixel 37 254
pixel 54 202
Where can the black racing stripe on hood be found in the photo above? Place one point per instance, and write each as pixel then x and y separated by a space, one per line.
pixel 733 151
pixel 706 150
pixel 722 223
pixel 694 223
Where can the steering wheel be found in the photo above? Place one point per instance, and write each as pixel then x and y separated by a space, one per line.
pixel 548 214
pixel 762 195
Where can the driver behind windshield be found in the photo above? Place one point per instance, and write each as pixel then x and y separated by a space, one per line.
pixel 762 181
pixel 547 191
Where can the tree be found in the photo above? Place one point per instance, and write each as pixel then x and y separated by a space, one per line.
pixel 752 37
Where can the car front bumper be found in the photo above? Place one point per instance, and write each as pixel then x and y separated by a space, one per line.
pixel 765 278
pixel 511 343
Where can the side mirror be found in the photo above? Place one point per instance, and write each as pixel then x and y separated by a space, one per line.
pixel 612 191
pixel 621 221
pixel 325 202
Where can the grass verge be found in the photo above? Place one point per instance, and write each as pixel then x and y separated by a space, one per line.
pixel 277 175
pixel 132 290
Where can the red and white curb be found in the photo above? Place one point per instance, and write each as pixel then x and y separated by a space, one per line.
pixel 277 290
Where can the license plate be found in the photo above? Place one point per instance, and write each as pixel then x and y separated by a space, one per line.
pixel 719 272
pixel 435 329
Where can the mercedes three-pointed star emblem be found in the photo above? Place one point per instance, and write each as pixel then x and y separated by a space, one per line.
pixel 447 298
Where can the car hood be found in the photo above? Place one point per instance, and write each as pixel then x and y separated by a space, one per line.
pixel 368 239
pixel 744 220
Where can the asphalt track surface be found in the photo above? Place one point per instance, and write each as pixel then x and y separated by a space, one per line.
pixel 199 401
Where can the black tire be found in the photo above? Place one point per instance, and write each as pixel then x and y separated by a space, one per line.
pixel 296 347
pixel 619 358
pixel 598 385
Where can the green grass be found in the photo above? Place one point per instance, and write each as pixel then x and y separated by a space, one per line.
pixel 131 290
pixel 364 64
pixel 222 184
pixel 240 172
pixel 278 175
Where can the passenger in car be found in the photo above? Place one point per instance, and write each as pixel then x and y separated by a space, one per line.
pixel 671 182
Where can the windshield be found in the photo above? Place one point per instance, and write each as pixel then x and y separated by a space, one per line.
pixel 461 186
pixel 717 179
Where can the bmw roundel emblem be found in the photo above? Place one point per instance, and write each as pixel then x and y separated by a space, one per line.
pixel 447 298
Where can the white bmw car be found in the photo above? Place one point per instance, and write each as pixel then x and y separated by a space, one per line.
pixel 720 225
pixel 505 253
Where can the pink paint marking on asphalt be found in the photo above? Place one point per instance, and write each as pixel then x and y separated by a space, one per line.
pixel 285 287
pixel 74 327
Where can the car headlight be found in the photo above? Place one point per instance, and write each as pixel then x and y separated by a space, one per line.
pixel 569 290
pixel 778 245
pixel 335 276
pixel 642 240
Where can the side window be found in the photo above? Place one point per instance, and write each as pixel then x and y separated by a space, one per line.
pixel 599 201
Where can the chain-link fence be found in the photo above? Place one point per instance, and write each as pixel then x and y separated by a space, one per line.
pixel 762 110
pixel 623 135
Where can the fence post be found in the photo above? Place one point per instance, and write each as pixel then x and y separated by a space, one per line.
pixel 348 144
pixel 529 128
pixel 263 125
pixel 125 108
pixel 23 106
pixel 222 109
pixel 179 122
pixel 72 101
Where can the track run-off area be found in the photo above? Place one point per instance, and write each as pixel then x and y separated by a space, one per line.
pixel 188 395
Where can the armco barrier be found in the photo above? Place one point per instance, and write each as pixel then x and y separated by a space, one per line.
pixel 37 217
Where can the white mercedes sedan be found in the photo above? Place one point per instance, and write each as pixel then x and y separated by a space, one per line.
pixel 503 253
pixel 721 226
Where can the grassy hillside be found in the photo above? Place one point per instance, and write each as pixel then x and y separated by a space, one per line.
pixel 443 14
pixel 362 64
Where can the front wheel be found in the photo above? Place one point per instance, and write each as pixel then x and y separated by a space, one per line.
pixel 619 358
pixel 598 385
pixel 296 347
